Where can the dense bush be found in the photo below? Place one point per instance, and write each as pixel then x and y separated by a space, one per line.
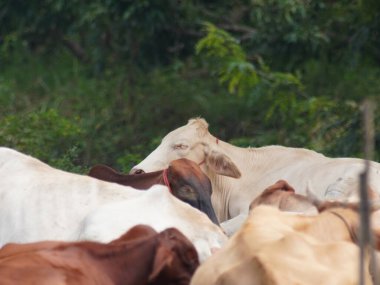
pixel 45 134
pixel 102 82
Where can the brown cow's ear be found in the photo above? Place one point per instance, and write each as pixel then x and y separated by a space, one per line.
pixel 221 163
pixel 163 258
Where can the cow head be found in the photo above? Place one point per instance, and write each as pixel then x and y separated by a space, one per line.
pixel 192 141
pixel 282 196
pixel 272 194
pixel 175 261
pixel 192 186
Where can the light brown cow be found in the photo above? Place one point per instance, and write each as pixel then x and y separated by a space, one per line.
pixel 275 247
pixel 141 256
pixel 282 196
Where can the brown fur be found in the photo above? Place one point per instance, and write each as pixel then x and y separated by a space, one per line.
pixel 141 256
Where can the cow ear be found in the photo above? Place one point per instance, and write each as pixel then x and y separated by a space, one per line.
pixel 287 187
pixel 221 163
pixel 163 259
pixel 281 185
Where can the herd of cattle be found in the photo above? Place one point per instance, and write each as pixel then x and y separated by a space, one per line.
pixel 196 211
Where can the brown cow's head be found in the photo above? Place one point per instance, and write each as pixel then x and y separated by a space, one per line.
pixel 176 259
pixel 187 182
pixel 192 186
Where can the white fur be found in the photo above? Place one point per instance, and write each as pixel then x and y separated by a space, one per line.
pixel 38 202
pixel 259 167
pixel 159 209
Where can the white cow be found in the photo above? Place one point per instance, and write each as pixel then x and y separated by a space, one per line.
pixel 161 211
pixel 38 202
pixel 238 175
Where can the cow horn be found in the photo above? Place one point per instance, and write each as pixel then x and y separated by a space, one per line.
pixel 312 196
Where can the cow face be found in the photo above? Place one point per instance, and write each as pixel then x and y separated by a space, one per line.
pixel 192 141
pixel 192 186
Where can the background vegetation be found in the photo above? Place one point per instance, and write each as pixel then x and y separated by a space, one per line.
pixel 85 82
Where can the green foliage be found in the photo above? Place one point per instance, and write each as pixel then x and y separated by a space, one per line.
pixel 338 30
pixel 101 32
pixel 45 134
pixel 101 82
pixel 290 115
pixel 226 57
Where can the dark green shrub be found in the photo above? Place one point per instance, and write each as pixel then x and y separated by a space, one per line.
pixel 45 135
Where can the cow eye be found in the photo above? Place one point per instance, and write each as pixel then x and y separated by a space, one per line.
pixel 187 192
pixel 180 146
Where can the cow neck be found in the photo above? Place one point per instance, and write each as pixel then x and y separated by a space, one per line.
pixel 353 235
pixel 138 254
pixel 223 185
pixel 239 155
pixel 250 162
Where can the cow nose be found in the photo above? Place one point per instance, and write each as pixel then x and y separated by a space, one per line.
pixel 136 171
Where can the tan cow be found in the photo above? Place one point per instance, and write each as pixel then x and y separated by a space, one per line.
pixel 275 247
pixel 255 168
pixel 280 195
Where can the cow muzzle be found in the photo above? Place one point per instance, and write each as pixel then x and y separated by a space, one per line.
pixel 136 171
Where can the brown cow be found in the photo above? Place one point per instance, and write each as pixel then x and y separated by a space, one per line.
pixel 282 196
pixel 141 256
pixel 184 178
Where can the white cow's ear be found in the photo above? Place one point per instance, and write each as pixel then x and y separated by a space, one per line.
pixel 221 163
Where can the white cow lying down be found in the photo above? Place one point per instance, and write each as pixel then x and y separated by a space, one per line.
pixel 238 175
pixel 38 202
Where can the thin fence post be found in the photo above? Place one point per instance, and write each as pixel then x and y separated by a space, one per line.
pixel 366 242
